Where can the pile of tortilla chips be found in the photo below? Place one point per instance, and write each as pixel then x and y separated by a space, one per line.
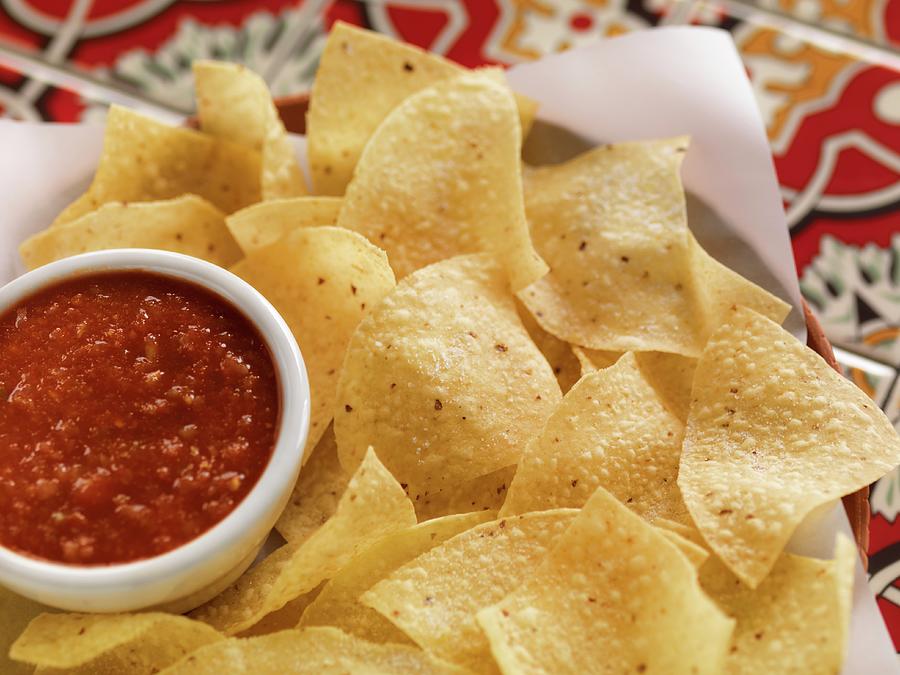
pixel 550 433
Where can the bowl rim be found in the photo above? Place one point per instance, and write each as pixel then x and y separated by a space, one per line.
pixel 274 484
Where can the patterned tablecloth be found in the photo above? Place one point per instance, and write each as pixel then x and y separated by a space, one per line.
pixel 826 75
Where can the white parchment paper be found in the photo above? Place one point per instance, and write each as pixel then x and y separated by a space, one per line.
pixel 644 85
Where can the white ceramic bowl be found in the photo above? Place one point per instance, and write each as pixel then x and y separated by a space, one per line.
pixel 188 575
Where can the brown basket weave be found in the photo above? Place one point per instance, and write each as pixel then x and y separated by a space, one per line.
pixel 293 113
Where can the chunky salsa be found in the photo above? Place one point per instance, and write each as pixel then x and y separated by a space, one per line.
pixel 136 411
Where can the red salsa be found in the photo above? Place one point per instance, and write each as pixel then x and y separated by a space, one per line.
pixel 136 411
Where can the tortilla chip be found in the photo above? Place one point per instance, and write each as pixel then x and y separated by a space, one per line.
pixel 338 605
pixel 267 222
pixel 434 598
pixel 441 177
pixel 17 612
pixel 613 591
pixel 110 643
pixel 323 281
pixel 362 77
pixel 187 224
pixel 373 506
pixel 611 430
pixel 611 224
pixel 694 553
pixel 720 288
pixel 559 354
pixel 796 621
pixel 773 433
pixel 626 274
pixel 311 651
pixel 595 359
pixel 671 375
pixel 443 379
pixel 285 618
pixel 316 495
pixel 685 530
pixel 234 104
pixel 84 204
pixel 485 493
pixel 144 160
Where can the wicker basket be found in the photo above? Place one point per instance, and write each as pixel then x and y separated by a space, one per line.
pixel 293 113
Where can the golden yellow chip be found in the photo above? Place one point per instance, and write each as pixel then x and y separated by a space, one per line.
pixel 611 224
pixel 284 618
pixel 316 495
pixel 626 275
pixel 373 506
pixel 338 604
pixel 441 177
pixel 311 651
pixel 562 359
pixel 796 621
pixel 144 160
pixel 720 288
pixel 671 375
pixel 485 493
pixel 234 104
pixel 434 598
pixel 773 432
pixel 110 643
pixel 687 531
pixel 363 76
pixel 16 613
pixel 323 281
pixel 695 553
pixel 84 204
pixel 442 379
pixel 613 591
pixel 267 222
pixel 594 359
pixel 187 224
pixel 610 430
